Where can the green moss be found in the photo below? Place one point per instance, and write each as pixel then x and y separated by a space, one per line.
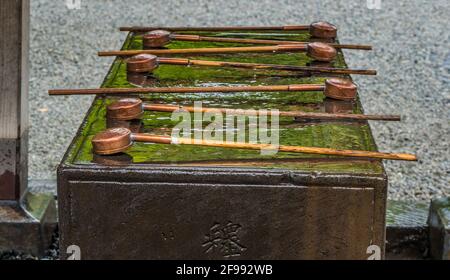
pixel 339 135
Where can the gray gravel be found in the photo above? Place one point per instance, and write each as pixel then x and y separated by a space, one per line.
pixel 52 253
pixel 412 56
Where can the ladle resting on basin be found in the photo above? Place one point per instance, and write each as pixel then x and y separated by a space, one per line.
pixel 133 108
pixel 317 51
pixel 146 63
pixel 336 88
pixel 117 140
pixel 318 29
pixel 160 38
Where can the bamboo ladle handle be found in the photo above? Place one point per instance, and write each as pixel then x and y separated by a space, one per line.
pixel 144 63
pixel 119 91
pixel 318 51
pixel 296 114
pixel 318 29
pixel 117 140
pixel 133 108
pixel 336 88
pixel 160 38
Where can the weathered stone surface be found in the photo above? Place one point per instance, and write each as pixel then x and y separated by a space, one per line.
pixel 165 213
pixel 9 178
pixel 13 167
pixel 27 226
pixel 407 230
pixel 439 222
pixel 14 20
pixel 26 220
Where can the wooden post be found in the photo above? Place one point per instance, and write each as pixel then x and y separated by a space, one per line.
pixel 14 44
pixel 23 228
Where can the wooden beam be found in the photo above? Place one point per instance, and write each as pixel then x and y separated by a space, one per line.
pixel 14 47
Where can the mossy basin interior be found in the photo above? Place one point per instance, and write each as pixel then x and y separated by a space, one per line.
pixel 338 135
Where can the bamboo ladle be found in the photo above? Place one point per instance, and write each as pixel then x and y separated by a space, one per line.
pixel 117 140
pixel 144 63
pixel 133 108
pixel 160 38
pixel 317 51
pixel 319 29
pixel 336 88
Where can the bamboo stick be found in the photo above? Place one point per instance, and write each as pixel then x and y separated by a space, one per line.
pixel 318 29
pixel 261 41
pixel 317 51
pixel 298 114
pixel 291 149
pixel 117 140
pixel 330 70
pixel 217 28
pixel 119 91
pixel 279 48
pixel 133 108
pixel 160 38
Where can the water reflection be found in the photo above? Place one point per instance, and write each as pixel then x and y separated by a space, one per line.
pixel 136 126
pixel 141 79
pixel 113 160
pixel 334 106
